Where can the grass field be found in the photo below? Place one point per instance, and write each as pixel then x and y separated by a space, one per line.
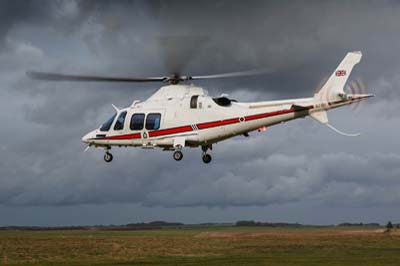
pixel 203 246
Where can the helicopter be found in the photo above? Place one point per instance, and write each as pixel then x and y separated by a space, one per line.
pixel 181 115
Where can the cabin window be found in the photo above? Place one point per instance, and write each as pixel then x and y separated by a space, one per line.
pixel 137 122
pixel 153 121
pixel 106 126
pixel 193 101
pixel 119 124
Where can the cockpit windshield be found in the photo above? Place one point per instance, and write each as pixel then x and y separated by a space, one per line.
pixel 106 126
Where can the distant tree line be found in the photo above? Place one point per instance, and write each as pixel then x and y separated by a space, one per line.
pixel 266 224
pixel 130 226
pixel 269 224
pixel 360 224
pixel 162 224
pixel 154 223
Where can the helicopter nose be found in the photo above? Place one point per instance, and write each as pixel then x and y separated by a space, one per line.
pixel 86 138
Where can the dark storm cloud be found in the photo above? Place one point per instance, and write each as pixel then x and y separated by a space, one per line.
pixel 12 12
pixel 300 42
pixel 291 39
pixel 63 15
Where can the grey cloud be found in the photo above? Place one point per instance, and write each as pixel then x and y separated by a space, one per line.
pixel 334 178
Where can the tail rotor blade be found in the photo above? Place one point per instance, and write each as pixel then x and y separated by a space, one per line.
pixel 355 87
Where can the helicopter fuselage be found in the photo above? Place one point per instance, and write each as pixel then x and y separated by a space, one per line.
pixel 187 116
pixel 180 115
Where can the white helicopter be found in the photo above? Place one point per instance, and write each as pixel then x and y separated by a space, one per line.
pixel 183 115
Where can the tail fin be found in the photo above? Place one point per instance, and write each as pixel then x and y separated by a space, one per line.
pixel 333 88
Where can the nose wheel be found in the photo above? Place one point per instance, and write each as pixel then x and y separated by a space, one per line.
pixel 206 157
pixel 108 157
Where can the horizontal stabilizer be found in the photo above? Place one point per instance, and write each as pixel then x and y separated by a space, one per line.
pixel 320 116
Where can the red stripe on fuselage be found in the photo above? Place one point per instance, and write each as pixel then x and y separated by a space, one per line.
pixel 169 131
pixel 130 136
pixel 265 115
pixel 218 123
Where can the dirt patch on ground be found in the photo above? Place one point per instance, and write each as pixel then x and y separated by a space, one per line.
pixel 218 234
pixel 363 232
pixel 290 233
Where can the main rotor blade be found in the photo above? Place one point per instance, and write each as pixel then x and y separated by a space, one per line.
pixel 234 74
pixel 64 77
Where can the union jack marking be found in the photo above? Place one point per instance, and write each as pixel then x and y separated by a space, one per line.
pixel 340 73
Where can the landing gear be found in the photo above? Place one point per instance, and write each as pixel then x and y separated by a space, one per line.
pixel 178 155
pixel 206 157
pixel 108 157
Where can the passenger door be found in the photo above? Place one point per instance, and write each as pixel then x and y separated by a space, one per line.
pixel 154 121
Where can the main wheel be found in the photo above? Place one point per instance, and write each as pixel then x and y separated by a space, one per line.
pixel 206 158
pixel 108 157
pixel 178 155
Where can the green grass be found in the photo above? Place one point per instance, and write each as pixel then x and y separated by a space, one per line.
pixel 197 245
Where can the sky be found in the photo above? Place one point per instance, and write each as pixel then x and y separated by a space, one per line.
pixel 296 172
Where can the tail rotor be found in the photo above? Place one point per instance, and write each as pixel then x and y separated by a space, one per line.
pixel 357 86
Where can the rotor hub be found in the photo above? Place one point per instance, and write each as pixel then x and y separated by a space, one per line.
pixel 176 78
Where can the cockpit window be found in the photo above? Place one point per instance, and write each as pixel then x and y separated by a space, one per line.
pixel 106 126
pixel 153 121
pixel 119 124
